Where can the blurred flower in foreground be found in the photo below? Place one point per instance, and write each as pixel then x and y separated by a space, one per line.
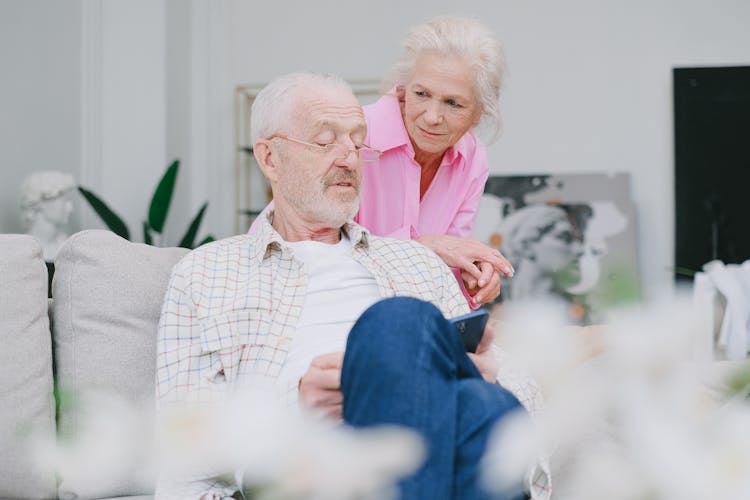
pixel 640 420
pixel 281 454
pixel 107 447
pixel 274 452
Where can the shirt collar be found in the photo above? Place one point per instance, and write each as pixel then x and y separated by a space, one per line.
pixel 268 240
pixel 390 132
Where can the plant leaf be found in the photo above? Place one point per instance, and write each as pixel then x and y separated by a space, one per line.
pixel 147 234
pixel 160 201
pixel 207 239
pixel 188 241
pixel 683 271
pixel 111 219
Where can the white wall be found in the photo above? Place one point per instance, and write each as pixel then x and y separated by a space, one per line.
pixel 589 87
pixel 114 90
pixel 590 90
pixel 83 90
pixel 40 106
pixel 178 112
pixel 125 136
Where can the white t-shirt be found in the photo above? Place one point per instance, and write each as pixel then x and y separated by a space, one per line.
pixel 339 289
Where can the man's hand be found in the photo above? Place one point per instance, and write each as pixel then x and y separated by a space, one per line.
pixel 320 386
pixel 481 294
pixel 484 359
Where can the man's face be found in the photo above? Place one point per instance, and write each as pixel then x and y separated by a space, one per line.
pixel 317 186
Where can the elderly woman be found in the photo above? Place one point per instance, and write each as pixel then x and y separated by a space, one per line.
pixel 431 175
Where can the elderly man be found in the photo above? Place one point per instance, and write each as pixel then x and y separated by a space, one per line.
pixel 346 323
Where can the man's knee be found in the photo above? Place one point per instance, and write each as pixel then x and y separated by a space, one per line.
pixel 395 331
pixel 394 320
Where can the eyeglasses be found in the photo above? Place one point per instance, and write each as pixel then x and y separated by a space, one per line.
pixel 337 151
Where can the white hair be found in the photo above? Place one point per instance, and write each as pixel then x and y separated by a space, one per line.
pixel 471 41
pixel 273 107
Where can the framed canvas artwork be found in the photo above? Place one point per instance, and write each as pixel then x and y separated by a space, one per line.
pixel 570 238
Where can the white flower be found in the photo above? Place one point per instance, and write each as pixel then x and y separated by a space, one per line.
pixel 282 454
pixel 636 422
pixel 108 443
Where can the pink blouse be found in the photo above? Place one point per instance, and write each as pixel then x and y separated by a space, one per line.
pixel 390 204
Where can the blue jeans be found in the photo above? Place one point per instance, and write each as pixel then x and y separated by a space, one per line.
pixel 406 365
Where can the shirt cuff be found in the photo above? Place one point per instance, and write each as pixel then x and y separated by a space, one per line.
pixel 467 295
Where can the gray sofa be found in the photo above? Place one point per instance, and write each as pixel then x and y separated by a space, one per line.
pixel 93 342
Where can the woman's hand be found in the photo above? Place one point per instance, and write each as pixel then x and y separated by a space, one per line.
pixel 491 279
pixel 480 265
pixel 464 252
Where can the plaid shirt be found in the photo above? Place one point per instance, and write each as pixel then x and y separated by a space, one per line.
pixel 231 307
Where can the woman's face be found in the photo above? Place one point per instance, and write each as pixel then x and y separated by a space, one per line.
pixel 440 104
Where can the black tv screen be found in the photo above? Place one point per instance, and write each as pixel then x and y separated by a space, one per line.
pixel 712 166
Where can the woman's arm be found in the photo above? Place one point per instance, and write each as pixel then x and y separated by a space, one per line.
pixel 479 266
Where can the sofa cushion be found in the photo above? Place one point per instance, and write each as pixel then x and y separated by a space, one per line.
pixel 27 410
pixel 107 296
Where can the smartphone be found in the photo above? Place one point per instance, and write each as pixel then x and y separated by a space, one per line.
pixel 471 328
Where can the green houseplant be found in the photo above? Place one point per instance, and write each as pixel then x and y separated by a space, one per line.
pixel 153 226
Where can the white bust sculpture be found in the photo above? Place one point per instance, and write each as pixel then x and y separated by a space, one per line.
pixel 46 207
